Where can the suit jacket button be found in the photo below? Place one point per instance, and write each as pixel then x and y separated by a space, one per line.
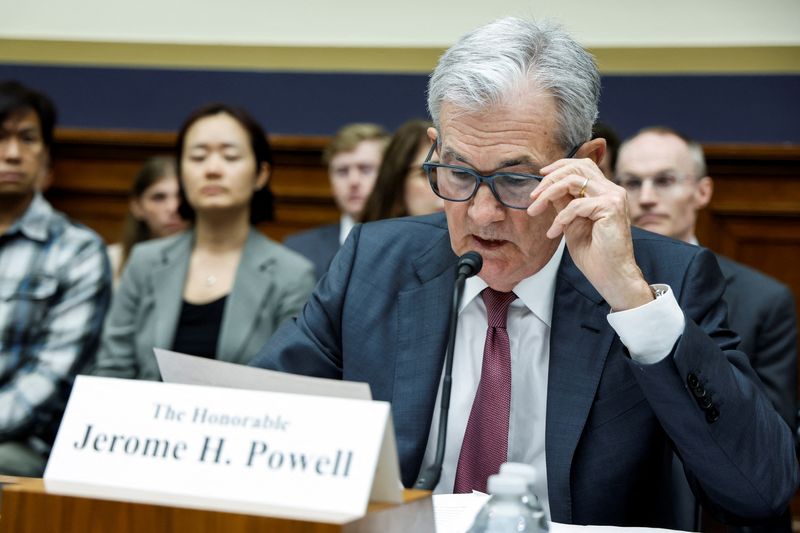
pixel 712 415
pixel 699 392
pixel 692 381
pixel 705 402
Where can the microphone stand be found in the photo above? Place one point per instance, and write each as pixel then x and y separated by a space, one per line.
pixel 468 265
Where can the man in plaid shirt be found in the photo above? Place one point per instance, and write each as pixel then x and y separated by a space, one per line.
pixel 54 287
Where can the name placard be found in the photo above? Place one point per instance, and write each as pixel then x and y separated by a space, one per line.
pixel 253 452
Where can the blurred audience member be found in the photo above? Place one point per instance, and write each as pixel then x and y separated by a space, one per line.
pixel 353 158
pixel 152 212
pixel 664 173
pixel 221 288
pixel 604 131
pixel 55 284
pixel 402 187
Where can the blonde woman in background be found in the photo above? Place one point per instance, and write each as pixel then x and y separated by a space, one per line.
pixel 152 210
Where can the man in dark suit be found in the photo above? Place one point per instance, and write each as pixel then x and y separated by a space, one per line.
pixel 353 158
pixel 566 356
pixel 664 173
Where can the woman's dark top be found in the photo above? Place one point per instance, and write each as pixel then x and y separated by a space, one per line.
pixel 198 328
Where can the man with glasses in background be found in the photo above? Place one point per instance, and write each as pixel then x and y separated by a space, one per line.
pixel 664 174
pixel 585 348
pixel 55 284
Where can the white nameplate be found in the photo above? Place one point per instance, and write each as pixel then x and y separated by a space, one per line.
pixel 231 450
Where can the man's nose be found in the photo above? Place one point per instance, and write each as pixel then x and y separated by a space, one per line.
pixel 354 177
pixel 484 207
pixel 647 193
pixel 10 148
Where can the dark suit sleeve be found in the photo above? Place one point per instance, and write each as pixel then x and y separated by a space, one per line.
pixel 735 447
pixel 310 344
pixel 318 245
pixel 775 357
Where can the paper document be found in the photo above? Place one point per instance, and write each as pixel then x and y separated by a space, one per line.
pixel 191 370
pixel 455 513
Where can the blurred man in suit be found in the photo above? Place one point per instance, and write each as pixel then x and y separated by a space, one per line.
pixel 585 348
pixel 664 173
pixel 353 158
pixel 54 287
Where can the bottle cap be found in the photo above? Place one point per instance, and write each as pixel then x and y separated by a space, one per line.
pixel 507 484
pixel 523 470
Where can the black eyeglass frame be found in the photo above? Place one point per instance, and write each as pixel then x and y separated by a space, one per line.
pixel 428 166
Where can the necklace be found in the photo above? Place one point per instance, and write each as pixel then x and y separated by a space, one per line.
pixel 210 281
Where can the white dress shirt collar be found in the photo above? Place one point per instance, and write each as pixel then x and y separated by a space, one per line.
pixel 536 292
pixel 346 224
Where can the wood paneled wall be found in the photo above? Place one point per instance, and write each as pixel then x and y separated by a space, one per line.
pixel 754 216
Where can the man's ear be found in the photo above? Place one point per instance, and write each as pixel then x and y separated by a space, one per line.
pixel 594 150
pixel 703 192
pixel 432 134
pixel 263 176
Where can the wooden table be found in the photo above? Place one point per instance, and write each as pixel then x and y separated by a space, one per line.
pixel 27 507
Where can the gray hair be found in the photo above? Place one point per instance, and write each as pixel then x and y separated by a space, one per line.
pixel 695 148
pixel 486 65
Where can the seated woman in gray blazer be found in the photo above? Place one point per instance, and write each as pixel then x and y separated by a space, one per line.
pixel 221 288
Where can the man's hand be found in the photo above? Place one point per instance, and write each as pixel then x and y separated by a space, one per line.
pixel 592 213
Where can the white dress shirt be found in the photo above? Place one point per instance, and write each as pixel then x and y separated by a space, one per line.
pixel 529 325
pixel 346 224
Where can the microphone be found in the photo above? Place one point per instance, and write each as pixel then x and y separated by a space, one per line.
pixel 469 264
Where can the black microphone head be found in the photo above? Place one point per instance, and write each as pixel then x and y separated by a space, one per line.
pixel 469 264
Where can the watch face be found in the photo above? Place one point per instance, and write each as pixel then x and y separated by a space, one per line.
pixel 658 291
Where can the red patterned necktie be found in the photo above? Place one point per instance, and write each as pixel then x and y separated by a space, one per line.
pixel 485 445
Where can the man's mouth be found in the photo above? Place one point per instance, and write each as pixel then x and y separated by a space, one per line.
pixel 11 176
pixel 649 218
pixel 489 244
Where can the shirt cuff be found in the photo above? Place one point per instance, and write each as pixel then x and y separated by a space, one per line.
pixel 650 331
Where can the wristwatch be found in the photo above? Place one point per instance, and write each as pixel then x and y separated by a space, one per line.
pixel 658 291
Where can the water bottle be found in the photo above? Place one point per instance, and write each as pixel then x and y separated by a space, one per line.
pixel 506 512
pixel 528 473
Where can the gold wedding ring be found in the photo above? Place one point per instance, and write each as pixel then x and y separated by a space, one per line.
pixel 582 192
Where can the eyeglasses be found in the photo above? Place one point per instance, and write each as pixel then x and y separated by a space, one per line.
pixel 664 183
pixel 460 184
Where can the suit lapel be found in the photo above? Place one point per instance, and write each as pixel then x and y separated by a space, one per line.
pixel 423 314
pixel 254 281
pixel 168 278
pixel 580 339
pixel 727 271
